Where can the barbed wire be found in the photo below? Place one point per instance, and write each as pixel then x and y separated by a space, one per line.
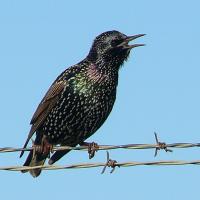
pixel 101 164
pixel 106 147
pixel 109 163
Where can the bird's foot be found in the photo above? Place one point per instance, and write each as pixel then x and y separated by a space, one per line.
pixel 45 148
pixel 92 148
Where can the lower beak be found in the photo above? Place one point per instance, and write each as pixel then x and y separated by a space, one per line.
pixel 125 44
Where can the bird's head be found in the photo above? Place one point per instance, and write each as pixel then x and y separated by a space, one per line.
pixel 112 48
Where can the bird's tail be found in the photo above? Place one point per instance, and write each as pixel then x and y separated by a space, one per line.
pixel 35 159
pixel 32 161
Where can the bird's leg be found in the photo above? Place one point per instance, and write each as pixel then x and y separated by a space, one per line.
pixel 37 149
pixel 45 148
pixel 92 148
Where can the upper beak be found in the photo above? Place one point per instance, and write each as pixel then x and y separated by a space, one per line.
pixel 125 44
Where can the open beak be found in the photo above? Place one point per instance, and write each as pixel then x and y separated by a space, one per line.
pixel 125 44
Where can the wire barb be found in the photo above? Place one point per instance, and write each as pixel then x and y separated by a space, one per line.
pixel 110 163
pixel 160 146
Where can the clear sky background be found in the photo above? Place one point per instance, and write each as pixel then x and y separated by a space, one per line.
pixel 158 91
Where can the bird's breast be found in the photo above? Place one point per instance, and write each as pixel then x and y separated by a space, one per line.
pixel 92 80
pixel 84 105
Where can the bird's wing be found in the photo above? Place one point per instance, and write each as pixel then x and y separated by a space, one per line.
pixel 48 101
pixel 43 109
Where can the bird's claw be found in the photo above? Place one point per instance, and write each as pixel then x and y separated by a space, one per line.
pixel 92 148
pixel 44 148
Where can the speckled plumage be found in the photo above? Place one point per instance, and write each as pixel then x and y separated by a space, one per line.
pixel 81 98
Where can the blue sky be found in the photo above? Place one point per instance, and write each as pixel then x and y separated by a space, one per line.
pixel 158 91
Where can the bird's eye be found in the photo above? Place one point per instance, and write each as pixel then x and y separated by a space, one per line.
pixel 115 42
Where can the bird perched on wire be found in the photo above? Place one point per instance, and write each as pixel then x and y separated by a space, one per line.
pixel 79 100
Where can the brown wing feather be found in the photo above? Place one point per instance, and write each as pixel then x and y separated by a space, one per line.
pixel 47 103
pixel 48 99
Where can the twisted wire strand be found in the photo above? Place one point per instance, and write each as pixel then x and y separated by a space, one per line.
pixel 107 147
pixel 110 163
pixel 92 165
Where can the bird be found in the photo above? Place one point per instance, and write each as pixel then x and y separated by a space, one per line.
pixel 80 99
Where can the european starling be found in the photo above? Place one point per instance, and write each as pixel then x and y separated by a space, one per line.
pixel 80 99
